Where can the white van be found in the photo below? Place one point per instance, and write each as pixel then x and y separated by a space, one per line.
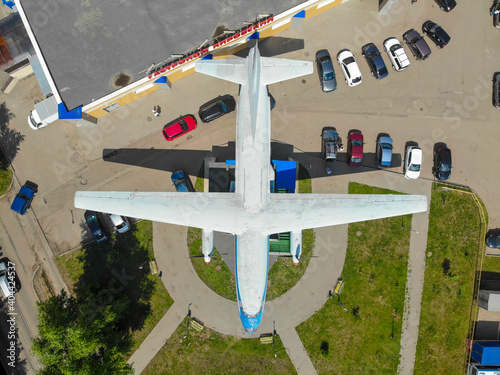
pixel 44 113
pixel 5 288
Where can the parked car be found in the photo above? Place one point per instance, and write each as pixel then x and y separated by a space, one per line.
pixel 24 197
pixel 8 279
pixel 178 127
pixel 330 143
pixel 355 148
pixel 119 222
pixel 495 12
pixel 493 239
pixel 442 162
pixel 446 5
pixel 349 67
pixel 384 152
pixel 496 90
pixel 413 162
pixel 417 44
pixel 96 226
pixel 182 182
pixel 216 108
pixel 436 33
pixel 397 54
pixel 326 72
pixel 375 61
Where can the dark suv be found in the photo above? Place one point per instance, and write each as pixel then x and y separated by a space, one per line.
pixel 216 108
pixel 436 33
pixel 374 60
pixel 417 44
pixel 446 5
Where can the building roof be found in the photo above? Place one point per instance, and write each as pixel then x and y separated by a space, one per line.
pixel 93 47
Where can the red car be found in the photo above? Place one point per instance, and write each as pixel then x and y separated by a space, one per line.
pixel 355 148
pixel 178 127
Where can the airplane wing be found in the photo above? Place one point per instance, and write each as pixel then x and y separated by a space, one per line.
pixel 276 70
pixel 293 212
pixel 201 210
pixel 223 211
pixel 233 70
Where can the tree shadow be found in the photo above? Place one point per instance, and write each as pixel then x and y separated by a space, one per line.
pixel 10 139
pixel 116 270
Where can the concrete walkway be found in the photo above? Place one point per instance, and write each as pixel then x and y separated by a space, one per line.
pixel 414 289
pixel 157 338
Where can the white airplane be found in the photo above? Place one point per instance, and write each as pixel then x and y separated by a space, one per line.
pixel 251 213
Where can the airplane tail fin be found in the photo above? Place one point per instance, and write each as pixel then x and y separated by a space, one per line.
pixel 275 70
pixel 232 70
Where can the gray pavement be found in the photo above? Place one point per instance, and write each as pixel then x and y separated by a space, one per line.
pixel 425 103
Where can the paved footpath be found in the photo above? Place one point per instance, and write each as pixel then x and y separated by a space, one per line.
pixel 157 338
pixel 414 289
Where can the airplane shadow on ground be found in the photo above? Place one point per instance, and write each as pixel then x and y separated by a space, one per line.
pixel 192 161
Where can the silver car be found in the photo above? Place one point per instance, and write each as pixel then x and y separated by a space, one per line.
pixel 326 72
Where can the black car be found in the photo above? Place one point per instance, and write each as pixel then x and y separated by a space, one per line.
pixel 374 60
pixel 493 239
pixel 495 12
pixel 216 108
pixel 436 33
pixel 496 90
pixel 442 162
pixel 96 226
pixel 417 44
pixel 446 5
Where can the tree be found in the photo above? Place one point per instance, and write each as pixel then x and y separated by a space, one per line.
pixel 78 337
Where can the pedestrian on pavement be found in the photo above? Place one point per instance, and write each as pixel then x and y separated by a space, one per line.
pixel 154 111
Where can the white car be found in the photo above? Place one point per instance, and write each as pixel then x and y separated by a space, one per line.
pixel 349 67
pixel 120 223
pixel 397 54
pixel 413 162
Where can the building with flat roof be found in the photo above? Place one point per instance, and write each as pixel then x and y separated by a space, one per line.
pixel 98 56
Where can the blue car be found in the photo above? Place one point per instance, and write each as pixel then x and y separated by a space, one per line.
pixel 384 152
pixel 375 61
pixel 96 226
pixel 182 182
pixel 23 199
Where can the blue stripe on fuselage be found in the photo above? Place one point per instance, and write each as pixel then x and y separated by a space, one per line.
pixel 250 323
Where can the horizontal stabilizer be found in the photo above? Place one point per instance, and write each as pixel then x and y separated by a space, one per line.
pixel 276 70
pixel 233 70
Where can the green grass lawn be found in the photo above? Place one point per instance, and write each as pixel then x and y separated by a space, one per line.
pixel 283 275
pixel 210 352
pixel 365 338
pixel 5 179
pixel 122 254
pixel 453 246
